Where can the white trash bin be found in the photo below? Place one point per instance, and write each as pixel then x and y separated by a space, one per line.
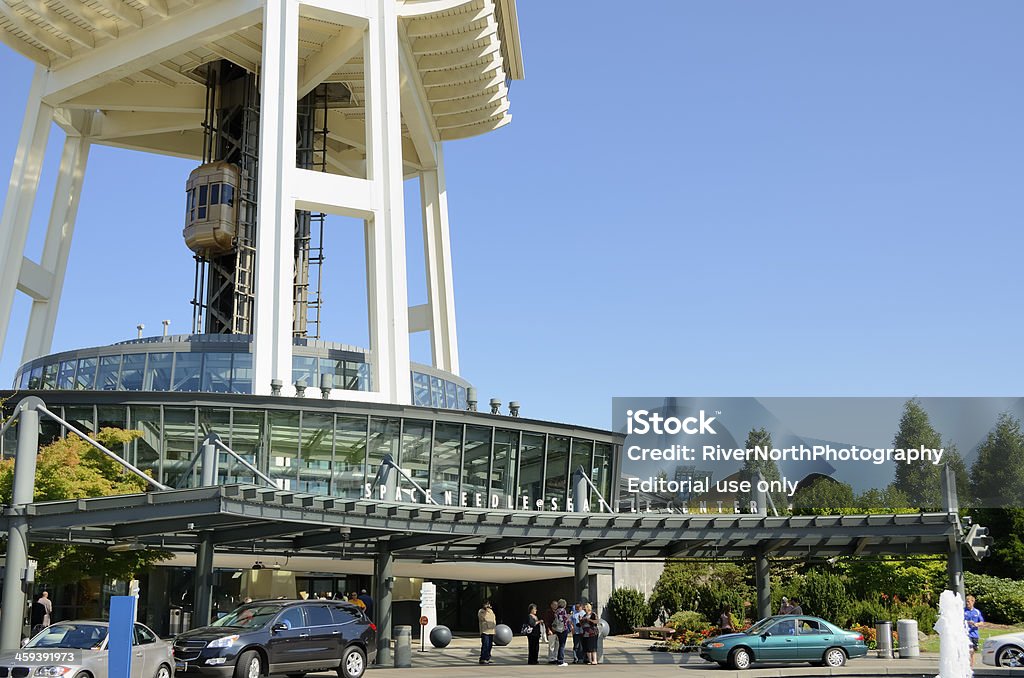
pixel 906 632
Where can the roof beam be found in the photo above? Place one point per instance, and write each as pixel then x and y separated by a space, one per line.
pixel 44 38
pixel 415 8
pixel 415 109
pixel 140 50
pixel 422 28
pixel 261 531
pixel 454 42
pixel 101 23
pixel 334 54
pixel 122 11
pixel 121 124
pixel 493 546
pixel 32 52
pixel 156 527
pixel 158 6
pixel 421 540
pixel 71 30
pixel 142 98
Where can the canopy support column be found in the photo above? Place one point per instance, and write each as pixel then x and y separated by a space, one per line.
pixel 385 580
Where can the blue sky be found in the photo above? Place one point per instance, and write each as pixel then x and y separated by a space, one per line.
pixel 706 198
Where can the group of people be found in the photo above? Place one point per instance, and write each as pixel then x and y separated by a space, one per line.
pixel 362 600
pixel 554 626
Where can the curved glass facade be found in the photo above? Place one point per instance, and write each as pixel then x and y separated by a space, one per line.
pixel 219 364
pixel 462 458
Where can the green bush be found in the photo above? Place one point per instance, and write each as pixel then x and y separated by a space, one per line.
pixel 703 587
pixel 687 621
pixel 824 594
pixel 628 610
pixel 714 597
pixel 863 613
pixel 1000 600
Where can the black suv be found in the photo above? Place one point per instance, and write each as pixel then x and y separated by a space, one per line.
pixel 279 636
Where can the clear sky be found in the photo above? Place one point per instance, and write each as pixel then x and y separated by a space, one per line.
pixel 694 198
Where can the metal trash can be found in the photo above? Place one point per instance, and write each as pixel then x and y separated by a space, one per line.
pixel 883 636
pixel 906 632
pixel 403 647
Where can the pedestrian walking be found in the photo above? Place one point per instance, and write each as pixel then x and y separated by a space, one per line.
pixel 725 621
pixel 562 626
pixel 591 629
pixel 485 615
pixel 973 619
pixel 578 653
pixel 532 629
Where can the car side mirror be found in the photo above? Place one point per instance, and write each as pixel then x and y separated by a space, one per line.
pixel 279 627
pixel 766 634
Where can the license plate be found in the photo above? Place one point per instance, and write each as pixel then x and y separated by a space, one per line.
pixel 180 666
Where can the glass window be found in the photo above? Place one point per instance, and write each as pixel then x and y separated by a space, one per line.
pixel 227 196
pixel 110 369
pixel 158 372
pixel 50 375
pixel 420 389
pixel 247 440
pixel 180 443
pixel 35 379
pixel 317 449
pixel 451 395
pixel 352 376
pixel 132 368
pixel 503 470
pixel 349 456
pixel 437 392
pixel 447 457
pixel 602 475
pixel 23 382
pixel 81 417
pixel 291 618
pixel 415 459
pixel 214 194
pixel 188 369
pixel 145 450
pixel 462 402
pixel 786 627
pixel 217 373
pixel 143 636
pixel 66 376
pixel 218 420
pixel 284 448
pixel 85 378
pixel 113 416
pixel 531 467
pixel 304 369
pixel 318 615
pixel 344 615
pixel 556 470
pixel 335 369
pixel 582 450
pixel 476 464
pixel 202 196
pixel 363 376
pixel 241 373
pixel 383 441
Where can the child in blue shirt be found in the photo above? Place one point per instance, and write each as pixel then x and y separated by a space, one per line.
pixel 973 620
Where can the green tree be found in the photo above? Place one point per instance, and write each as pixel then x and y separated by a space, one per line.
pixel 919 482
pixel 1006 525
pixel 760 437
pixel 824 496
pixel 997 475
pixel 70 468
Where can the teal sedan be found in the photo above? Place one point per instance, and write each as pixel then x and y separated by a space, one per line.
pixel 785 638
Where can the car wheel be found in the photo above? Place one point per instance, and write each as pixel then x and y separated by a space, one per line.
pixel 1010 656
pixel 163 672
pixel 834 657
pixel 353 662
pixel 249 665
pixel 740 658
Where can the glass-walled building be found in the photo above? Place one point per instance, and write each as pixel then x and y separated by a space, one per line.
pixel 335 448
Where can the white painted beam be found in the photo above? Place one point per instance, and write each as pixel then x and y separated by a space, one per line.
pixel 454 42
pixel 72 30
pixel 415 8
pixel 34 280
pixel 419 318
pixel 415 108
pixel 26 50
pixel 140 50
pixel 100 22
pixel 21 193
pixel 122 11
pixel 423 28
pixel 142 97
pixel 333 55
pixel 46 39
pixel 121 124
pixel 334 194
pixel 437 254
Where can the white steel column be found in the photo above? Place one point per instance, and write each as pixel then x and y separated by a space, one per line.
pixel 66 197
pixel 21 194
pixel 385 232
pixel 275 227
pixel 437 251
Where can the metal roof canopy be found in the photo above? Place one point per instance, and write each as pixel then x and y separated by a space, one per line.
pixel 265 521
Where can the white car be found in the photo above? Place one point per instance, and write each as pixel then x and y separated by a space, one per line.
pixel 1004 650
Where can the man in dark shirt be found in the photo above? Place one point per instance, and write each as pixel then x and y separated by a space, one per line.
pixel 548 617
pixel 795 606
pixel 368 602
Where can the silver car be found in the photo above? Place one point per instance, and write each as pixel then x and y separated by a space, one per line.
pixel 78 649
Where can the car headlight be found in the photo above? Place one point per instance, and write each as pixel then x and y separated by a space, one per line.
pixel 716 644
pixel 53 670
pixel 991 643
pixel 226 641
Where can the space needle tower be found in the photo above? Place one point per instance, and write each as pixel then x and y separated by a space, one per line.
pixel 293 111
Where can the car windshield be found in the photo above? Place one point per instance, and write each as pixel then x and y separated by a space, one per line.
pixel 248 616
pixel 71 636
pixel 760 626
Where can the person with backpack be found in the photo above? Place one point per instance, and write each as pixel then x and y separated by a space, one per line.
pixel 561 628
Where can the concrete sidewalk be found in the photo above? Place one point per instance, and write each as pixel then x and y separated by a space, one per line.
pixel 630 655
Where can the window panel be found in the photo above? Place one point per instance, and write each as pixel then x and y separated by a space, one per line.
pixel 216 420
pixel 451 395
pixel 66 376
pixel 476 464
pixel 158 372
pixel 217 373
pixel 188 370
pixel 180 444
pixel 145 451
pixel 109 372
pixel 241 373
pixel 531 467
pixel 461 401
pixel 132 368
pixel 284 449
pixel 85 377
pixel 248 441
pixel 315 462
pixel 349 456
pixel 602 475
pixel 81 417
pixel 506 452
pixel 415 459
pixel 335 370
pixel 437 392
pixel 447 457
pixel 304 369
pixel 557 468
pixel 35 379
pixel 383 440
pixel 420 389
pixel 50 375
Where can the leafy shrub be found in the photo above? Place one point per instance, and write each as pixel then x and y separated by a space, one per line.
pixel 824 594
pixel 628 610
pixel 687 621
pixel 926 615
pixel 700 586
pixel 1000 600
pixel 864 613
